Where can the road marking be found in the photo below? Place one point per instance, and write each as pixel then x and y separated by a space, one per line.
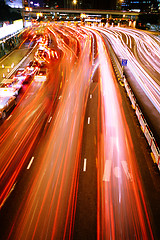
pixel 50 119
pixel 107 171
pixel 85 164
pixel 126 170
pixel 5 66
pixel 8 194
pixel 30 163
pixel 90 95
pixel 56 54
pixel 15 135
pixel 89 120
pixel 117 172
pixel 9 117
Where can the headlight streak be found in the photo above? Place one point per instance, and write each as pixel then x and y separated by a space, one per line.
pixel 48 210
pixel 149 86
pixel 120 213
pixel 62 45
pixel 6 167
pixel 146 45
pixel 144 42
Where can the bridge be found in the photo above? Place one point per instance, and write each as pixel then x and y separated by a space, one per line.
pixel 50 12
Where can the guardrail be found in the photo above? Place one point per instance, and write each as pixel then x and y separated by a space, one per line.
pixel 20 63
pixel 155 151
pixel 115 62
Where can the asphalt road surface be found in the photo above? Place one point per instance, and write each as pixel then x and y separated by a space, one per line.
pixel 84 167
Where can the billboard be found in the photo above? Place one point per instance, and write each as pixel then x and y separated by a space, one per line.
pixel 14 3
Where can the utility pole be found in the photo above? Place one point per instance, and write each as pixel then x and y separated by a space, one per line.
pixel 23 9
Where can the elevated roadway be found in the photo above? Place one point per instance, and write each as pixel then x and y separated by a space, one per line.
pixel 77 12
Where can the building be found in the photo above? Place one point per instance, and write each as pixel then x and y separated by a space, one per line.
pixel 141 5
pixel 135 5
pixel 14 3
pixel 82 4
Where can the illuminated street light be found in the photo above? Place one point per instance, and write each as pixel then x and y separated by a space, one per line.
pixel 74 3
pixel 28 9
pixel 119 4
pixel 39 15
pixel 83 15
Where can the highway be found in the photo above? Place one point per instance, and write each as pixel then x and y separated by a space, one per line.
pixel 142 71
pixel 74 162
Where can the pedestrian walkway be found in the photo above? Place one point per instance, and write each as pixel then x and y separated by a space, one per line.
pixel 8 62
pixel 8 43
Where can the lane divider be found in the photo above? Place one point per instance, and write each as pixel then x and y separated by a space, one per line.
pixel 85 165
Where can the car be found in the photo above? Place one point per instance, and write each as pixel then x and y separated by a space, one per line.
pixel 30 63
pixel 40 59
pixel 25 74
pixel 41 55
pixel 31 71
pixel 20 72
pixel 33 63
pixel 13 83
pixel 4 92
pixel 20 75
pixel 41 75
pixel 6 103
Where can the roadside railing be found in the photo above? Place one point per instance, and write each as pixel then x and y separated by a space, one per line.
pixel 155 151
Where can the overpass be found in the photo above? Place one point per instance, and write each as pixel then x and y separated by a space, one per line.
pixel 50 12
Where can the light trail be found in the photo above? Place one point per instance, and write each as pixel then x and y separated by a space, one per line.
pixel 48 208
pixel 122 212
pixel 150 87
pixel 25 130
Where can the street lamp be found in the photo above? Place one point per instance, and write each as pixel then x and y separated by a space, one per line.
pixel 74 3
pixel 119 5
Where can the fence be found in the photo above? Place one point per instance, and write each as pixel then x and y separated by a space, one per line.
pixel 144 126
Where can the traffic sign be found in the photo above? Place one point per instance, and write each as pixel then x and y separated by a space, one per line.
pixel 124 62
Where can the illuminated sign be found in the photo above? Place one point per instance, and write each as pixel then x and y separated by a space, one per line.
pixel 9 29
pixel 124 62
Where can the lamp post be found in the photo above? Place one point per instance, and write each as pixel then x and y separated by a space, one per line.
pixel 121 1
pixel 23 13
pixel 119 5
pixel 74 4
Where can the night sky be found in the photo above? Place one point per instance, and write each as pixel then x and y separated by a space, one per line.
pixel 14 3
pixel 83 4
